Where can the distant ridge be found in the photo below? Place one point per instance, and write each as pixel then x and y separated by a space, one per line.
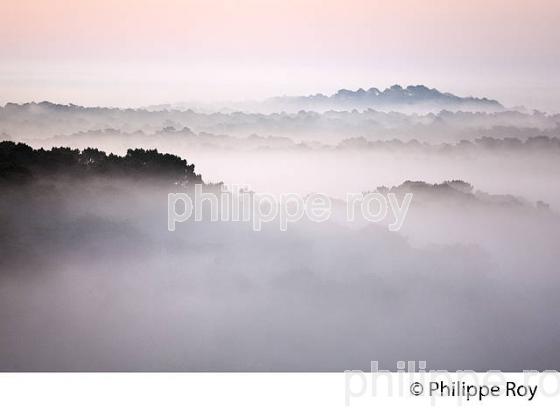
pixel 393 98
pixel 412 99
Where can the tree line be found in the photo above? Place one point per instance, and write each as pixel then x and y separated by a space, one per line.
pixel 20 163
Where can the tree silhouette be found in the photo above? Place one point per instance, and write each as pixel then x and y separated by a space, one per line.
pixel 20 163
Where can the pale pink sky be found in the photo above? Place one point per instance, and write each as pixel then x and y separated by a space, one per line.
pixel 136 52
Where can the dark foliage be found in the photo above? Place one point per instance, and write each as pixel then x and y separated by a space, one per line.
pixel 19 163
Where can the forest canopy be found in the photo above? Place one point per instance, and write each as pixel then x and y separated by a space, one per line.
pixel 20 163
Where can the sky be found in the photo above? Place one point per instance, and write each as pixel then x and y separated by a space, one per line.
pixel 140 52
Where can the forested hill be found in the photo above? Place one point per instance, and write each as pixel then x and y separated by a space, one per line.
pixel 19 163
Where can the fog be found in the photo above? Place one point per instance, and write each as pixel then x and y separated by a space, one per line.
pixel 92 280
pixel 46 120
pixel 528 168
